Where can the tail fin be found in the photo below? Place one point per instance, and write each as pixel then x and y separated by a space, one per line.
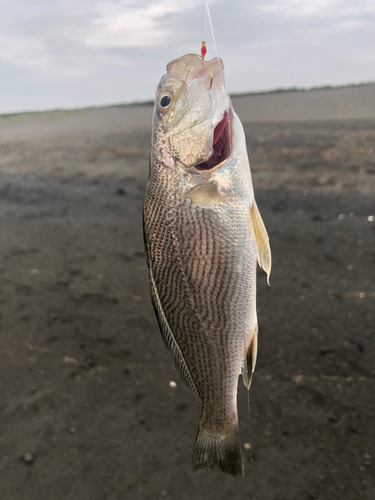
pixel 222 451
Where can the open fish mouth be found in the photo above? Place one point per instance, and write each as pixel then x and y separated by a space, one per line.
pixel 221 143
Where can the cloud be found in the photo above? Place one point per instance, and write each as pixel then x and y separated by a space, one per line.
pixel 133 25
pixel 333 9
pixel 22 51
pixel 69 53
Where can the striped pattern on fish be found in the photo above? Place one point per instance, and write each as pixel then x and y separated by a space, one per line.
pixel 201 250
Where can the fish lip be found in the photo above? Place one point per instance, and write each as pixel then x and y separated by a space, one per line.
pixel 220 143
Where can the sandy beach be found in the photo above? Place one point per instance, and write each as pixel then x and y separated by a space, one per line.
pixel 87 411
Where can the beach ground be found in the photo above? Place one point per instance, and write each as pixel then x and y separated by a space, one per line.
pixel 87 410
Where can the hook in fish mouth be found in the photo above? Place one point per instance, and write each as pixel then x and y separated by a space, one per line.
pixel 221 143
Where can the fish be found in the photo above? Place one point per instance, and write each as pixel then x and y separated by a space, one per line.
pixel 203 238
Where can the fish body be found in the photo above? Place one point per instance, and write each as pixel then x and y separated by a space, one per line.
pixel 203 238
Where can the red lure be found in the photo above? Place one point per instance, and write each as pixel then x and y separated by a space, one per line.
pixel 203 49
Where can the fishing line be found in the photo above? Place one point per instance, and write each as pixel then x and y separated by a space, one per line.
pixel 208 17
pixel 205 21
pixel 209 20
pixel 251 447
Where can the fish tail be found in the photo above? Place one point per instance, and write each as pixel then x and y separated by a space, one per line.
pixel 219 450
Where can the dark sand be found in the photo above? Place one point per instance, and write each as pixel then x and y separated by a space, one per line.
pixel 84 374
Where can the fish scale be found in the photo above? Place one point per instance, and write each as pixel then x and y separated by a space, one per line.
pixel 208 314
pixel 201 243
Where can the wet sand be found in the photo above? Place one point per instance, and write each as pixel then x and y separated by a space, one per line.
pixel 84 374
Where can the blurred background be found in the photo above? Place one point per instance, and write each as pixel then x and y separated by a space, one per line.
pixel 62 53
pixel 91 406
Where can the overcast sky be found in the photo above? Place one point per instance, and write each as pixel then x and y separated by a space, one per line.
pixel 72 53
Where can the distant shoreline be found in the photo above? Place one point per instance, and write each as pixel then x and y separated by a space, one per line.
pixel 150 103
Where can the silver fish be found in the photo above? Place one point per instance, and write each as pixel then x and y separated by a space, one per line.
pixel 203 236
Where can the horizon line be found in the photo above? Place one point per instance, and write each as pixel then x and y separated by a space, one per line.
pixel 150 102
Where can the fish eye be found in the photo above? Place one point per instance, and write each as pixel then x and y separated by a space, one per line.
pixel 165 101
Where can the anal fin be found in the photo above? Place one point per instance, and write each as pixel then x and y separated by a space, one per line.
pixel 248 366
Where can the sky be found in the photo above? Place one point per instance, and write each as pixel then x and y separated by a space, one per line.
pixel 76 53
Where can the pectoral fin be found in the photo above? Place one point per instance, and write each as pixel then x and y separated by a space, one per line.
pixel 263 250
pixel 205 195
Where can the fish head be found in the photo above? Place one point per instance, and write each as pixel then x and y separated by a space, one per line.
pixel 192 114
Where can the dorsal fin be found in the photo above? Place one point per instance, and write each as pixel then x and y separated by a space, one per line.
pixel 263 250
pixel 169 338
